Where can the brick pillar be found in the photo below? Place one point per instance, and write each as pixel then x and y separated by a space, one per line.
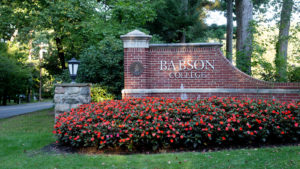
pixel 136 68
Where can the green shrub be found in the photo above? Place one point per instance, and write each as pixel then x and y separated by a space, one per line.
pixel 99 93
pixel 294 75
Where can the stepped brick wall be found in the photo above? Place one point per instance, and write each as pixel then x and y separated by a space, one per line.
pixel 191 71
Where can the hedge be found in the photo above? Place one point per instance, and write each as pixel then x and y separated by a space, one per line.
pixel 159 123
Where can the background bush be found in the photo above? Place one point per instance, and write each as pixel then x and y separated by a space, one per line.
pixel 158 123
pixel 100 93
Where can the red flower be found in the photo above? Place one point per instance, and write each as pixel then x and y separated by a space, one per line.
pixel 117 119
pixel 258 121
pixel 76 138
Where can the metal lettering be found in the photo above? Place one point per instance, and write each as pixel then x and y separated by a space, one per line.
pixel 195 64
pixel 190 65
pixel 163 66
pixel 211 65
pixel 170 75
pixel 182 63
pixel 172 65
pixel 177 75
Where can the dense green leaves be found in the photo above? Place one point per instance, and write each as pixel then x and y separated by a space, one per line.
pixel 103 63
pixel 176 18
pixel 14 78
pixel 90 30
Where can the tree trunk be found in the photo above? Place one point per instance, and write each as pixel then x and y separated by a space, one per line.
pixel 229 34
pixel 182 38
pixel 4 97
pixel 29 95
pixel 30 46
pixel 282 44
pixel 61 54
pixel 244 17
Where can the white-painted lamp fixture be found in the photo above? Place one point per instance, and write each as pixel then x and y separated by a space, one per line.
pixel 73 67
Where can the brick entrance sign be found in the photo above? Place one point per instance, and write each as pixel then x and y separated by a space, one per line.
pixel 190 71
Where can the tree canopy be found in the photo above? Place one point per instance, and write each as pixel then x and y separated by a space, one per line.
pixel 90 30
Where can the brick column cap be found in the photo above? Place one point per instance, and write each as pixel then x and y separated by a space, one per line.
pixel 136 39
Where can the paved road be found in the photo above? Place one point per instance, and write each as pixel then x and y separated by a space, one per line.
pixel 9 111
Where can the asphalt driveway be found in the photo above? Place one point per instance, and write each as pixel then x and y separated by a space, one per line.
pixel 9 111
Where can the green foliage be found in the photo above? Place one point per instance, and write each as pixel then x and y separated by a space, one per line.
pixel 14 77
pixel 132 13
pixel 175 19
pixel 214 32
pixel 294 74
pixel 99 93
pixel 103 64
pixel 74 29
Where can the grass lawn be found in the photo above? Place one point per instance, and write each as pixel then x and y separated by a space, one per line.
pixel 22 137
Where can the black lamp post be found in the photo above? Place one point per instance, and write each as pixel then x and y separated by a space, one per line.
pixel 73 67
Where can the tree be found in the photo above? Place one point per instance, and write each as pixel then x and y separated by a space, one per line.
pixel 244 35
pixel 282 44
pixel 177 19
pixel 229 29
pixel 14 78
pixel 102 63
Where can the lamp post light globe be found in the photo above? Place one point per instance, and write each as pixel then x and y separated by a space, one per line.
pixel 73 67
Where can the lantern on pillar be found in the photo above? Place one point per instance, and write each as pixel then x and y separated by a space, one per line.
pixel 73 67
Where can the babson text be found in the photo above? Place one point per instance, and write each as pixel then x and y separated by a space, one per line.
pixel 187 65
pixel 187 69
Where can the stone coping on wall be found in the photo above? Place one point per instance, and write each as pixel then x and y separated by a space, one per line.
pixel 212 90
pixel 73 84
pixel 186 45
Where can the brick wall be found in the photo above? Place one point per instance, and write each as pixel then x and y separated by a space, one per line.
pixel 205 68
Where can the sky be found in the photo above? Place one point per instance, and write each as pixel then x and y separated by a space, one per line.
pixel 215 17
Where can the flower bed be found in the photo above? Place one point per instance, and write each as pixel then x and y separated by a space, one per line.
pixel 159 123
